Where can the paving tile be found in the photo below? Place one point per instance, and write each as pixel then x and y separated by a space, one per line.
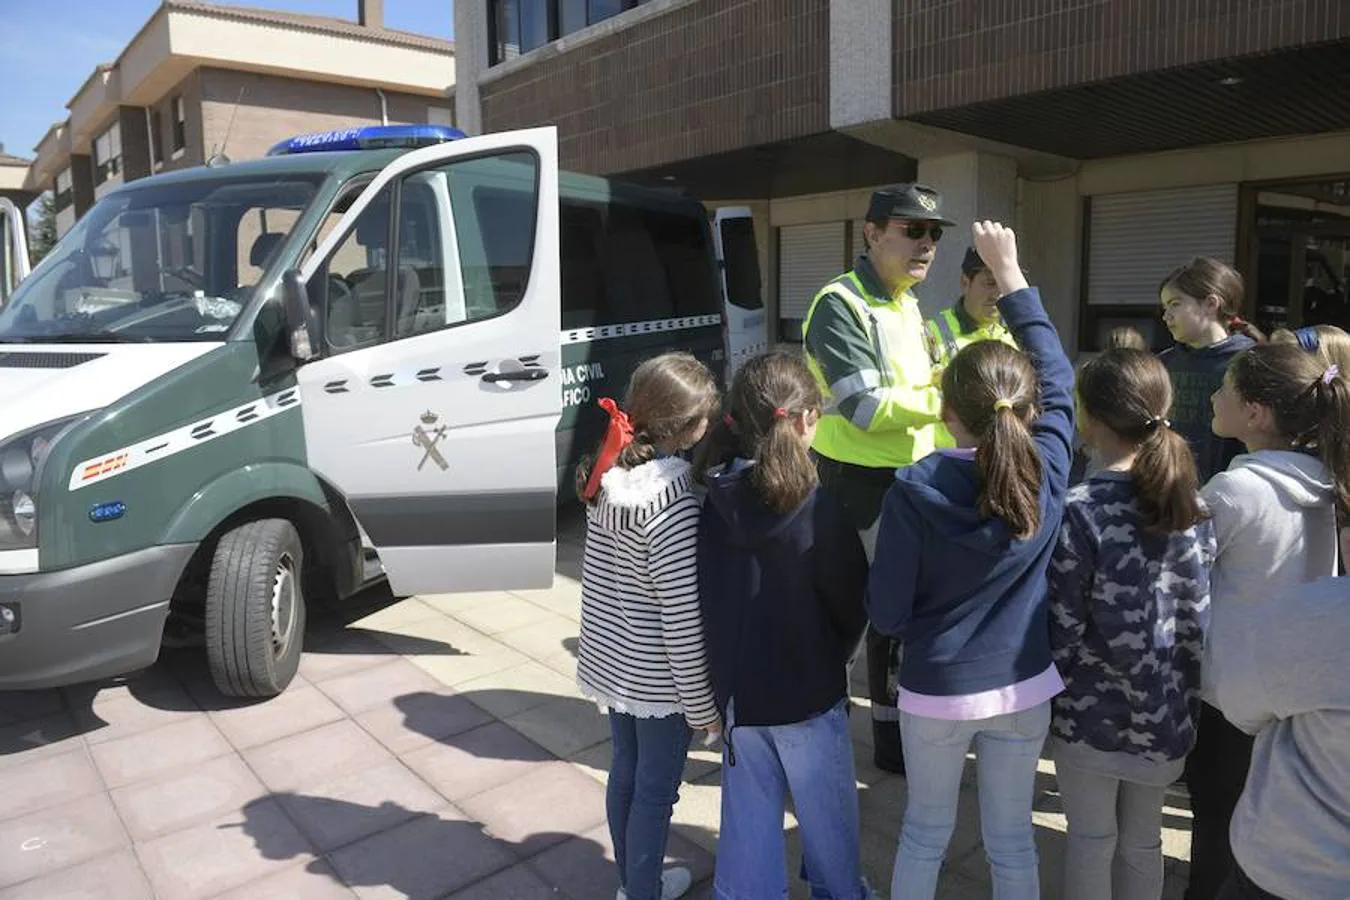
pixel 316 756
pixel 429 857
pixel 295 710
pixel 350 651
pixel 563 599
pixel 583 867
pixel 115 877
pixel 346 809
pixel 46 782
pixel 24 742
pixel 508 613
pixel 454 671
pixel 477 761
pixel 24 706
pixel 516 883
pixel 564 662
pixel 517 689
pixel 417 720
pixel 540 809
pixel 130 759
pixel 214 857
pixel 186 797
pixel 698 812
pixel 360 691
pixel 111 716
pixel 453 604
pixel 56 838
pixel 315 881
pixel 543 638
pixel 563 725
pixel 401 612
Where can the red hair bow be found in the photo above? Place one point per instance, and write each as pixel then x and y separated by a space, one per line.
pixel 618 435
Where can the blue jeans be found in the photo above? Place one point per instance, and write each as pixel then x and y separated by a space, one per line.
pixel 1006 750
pixel 644 783
pixel 814 760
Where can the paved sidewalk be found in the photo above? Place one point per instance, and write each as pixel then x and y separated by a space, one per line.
pixel 430 748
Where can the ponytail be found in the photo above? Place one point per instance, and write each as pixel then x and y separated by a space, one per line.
pixel 991 388
pixel 1333 433
pixel 1309 400
pixel 769 395
pixel 1010 469
pixel 1165 481
pixel 784 475
pixel 1129 392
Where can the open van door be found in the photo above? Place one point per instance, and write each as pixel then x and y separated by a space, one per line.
pixel 742 287
pixel 437 419
pixel 13 248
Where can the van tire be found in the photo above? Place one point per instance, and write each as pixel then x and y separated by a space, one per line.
pixel 255 609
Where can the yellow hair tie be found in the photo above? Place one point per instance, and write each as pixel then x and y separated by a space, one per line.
pixel 1002 403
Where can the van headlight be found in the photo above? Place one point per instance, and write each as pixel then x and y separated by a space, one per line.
pixel 21 461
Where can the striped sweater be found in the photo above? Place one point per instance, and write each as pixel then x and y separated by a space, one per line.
pixel 642 650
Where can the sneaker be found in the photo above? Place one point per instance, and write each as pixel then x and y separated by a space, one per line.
pixel 674 883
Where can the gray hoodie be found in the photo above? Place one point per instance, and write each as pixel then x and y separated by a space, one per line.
pixel 1275 528
pixel 1285 682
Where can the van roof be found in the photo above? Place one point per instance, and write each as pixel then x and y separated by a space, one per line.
pixel 346 164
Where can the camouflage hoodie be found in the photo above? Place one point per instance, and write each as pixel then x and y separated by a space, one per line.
pixel 1128 614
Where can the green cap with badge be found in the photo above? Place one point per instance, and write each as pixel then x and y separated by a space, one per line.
pixel 916 202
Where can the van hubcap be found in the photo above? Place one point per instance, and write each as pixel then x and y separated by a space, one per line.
pixel 285 601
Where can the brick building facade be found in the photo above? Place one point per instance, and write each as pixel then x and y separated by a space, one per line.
pixel 1121 136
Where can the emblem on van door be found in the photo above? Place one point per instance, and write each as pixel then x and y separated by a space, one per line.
pixel 427 436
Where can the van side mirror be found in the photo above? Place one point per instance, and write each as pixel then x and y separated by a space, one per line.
pixel 299 323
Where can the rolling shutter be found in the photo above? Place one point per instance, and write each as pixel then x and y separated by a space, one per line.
pixel 1134 240
pixel 808 257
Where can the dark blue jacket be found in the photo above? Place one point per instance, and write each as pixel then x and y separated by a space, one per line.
pixel 966 599
pixel 1196 374
pixel 782 601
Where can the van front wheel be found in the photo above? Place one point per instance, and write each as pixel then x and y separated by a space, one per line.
pixel 255 609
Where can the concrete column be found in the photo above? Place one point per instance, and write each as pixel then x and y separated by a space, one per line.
pixel 1050 240
pixel 974 186
pixel 471 61
pixel 82 182
pixel 860 62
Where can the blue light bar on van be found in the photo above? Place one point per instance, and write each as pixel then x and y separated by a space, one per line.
pixel 368 137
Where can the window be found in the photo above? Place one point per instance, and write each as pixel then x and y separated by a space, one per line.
pixel 63 189
pixel 156 138
pixel 108 154
pixel 623 263
pixel 353 280
pixel 261 232
pixel 493 205
pixel 464 248
pixel 179 124
pixel 519 26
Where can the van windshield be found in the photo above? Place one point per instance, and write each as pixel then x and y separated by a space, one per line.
pixel 172 262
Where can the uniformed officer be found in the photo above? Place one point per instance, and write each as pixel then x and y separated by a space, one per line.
pixel 865 344
pixel 974 317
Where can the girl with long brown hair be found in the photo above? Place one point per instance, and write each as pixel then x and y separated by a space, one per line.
pixel 959 577
pixel 1201 306
pixel 1275 511
pixel 781 578
pixel 1129 604
pixel 641 655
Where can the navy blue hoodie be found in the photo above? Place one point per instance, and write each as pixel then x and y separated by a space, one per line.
pixel 969 602
pixel 782 600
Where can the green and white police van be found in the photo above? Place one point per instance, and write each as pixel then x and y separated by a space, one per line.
pixel 372 353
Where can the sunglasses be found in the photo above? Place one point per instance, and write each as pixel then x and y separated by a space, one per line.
pixel 916 230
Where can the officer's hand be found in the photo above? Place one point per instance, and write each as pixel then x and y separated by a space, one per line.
pixel 997 246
